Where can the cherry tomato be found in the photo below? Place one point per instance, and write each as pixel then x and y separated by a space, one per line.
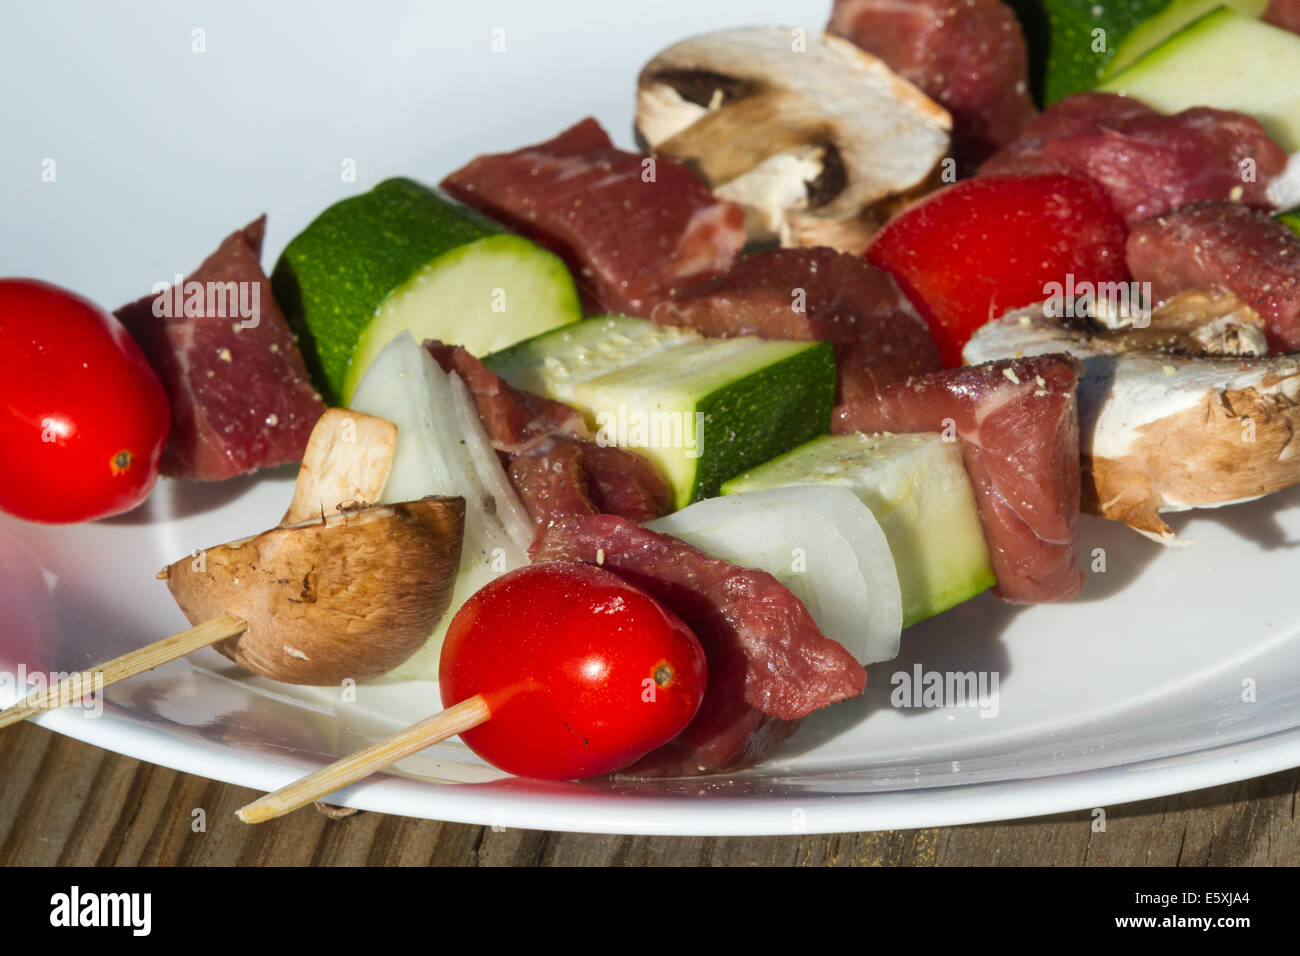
pixel 972 251
pixel 583 672
pixel 83 418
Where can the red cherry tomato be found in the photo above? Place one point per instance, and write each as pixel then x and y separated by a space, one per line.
pixel 972 251
pixel 583 672
pixel 83 418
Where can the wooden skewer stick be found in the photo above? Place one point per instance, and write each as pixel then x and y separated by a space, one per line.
pixel 454 720
pixel 135 662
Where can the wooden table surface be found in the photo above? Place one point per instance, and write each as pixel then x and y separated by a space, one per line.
pixel 63 802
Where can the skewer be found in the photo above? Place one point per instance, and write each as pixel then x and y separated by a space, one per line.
pixel 120 668
pixel 454 720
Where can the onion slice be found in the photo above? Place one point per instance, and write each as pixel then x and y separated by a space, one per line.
pixel 822 543
pixel 442 449
pixel 508 508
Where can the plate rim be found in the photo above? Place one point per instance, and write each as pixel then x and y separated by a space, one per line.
pixel 715 816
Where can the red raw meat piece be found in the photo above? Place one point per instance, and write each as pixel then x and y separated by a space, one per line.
pixel 552 481
pixel 632 229
pixel 241 398
pixel 1018 421
pixel 1147 162
pixel 622 482
pixel 816 295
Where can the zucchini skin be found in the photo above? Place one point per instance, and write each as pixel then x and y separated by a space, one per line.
pixel 1071 64
pixel 758 417
pixel 389 233
pixel 747 418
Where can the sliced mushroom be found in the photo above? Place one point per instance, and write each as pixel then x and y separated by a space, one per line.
pixel 345 465
pixel 350 595
pixel 807 132
pixel 1193 323
pixel 1180 414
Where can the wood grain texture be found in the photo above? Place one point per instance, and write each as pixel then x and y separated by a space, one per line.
pixel 66 803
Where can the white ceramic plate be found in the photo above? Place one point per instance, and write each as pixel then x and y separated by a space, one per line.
pixel 1175 670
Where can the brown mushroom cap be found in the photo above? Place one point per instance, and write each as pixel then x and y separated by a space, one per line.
pixel 352 595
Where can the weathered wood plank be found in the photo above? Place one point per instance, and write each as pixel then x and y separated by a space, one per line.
pixel 64 802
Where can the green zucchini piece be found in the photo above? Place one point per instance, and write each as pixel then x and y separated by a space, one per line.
pixel 403 258
pixel 1224 60
pixel 916 486
pixel 1092 40
pixel 703 409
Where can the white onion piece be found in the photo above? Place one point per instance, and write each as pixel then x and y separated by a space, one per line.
pixel 442 450
pixel 822 543
pixel 509 510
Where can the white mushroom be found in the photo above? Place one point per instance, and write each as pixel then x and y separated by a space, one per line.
pixel 1164 426
pixel 345 465
pixel 807 132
